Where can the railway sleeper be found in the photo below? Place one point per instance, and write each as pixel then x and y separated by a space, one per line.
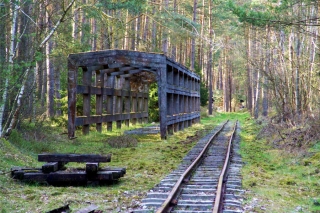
pixel 157 195
pixel 232 211
pixel 197 197
pixel 232 186
pixel 232 202
pixel 153 200
pixel 192 186
pixel 187 211
pixel 193 202
pixel 197 191
pixel 152 204
pixel 232 197
pixel 212 183
pixel 194 207
pixel 147 210
pixel 162 189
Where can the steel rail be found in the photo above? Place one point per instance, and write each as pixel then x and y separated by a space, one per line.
pixel 169 201
pixel 220 189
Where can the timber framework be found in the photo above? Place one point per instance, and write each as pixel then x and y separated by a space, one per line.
pixel 113 86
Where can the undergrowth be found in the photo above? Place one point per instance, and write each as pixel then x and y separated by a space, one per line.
pixel 147 159
pixel 281 173
pixel 276 178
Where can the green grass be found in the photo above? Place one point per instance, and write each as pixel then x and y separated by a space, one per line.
pixel 146 165
pixel 276 180
pixel 281 181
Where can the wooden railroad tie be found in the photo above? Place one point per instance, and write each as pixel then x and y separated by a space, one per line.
pixel 54 171
pixel 66 209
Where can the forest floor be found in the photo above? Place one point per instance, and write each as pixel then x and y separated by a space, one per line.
pixel 281 171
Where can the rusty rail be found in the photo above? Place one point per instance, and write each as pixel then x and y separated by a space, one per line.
pixel 220 189
pixel 170 199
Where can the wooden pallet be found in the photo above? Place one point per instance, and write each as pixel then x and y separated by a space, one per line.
pixel 54 171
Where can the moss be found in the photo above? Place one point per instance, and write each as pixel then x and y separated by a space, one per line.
pixel 287 181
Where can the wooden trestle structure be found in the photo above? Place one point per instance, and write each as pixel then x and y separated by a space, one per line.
pixel 117 82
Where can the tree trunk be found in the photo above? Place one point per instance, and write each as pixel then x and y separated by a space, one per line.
pixel 75 23
pixel 154 29
pixel 193 40
pixel 93 34
pixel 257 96
pixel 249 88
pixel 265 80
pixel 50 69
pixel 11 53
pixel 210 61
pixel 165 33
pixel 18 101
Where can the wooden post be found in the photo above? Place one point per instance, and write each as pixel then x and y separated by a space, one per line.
pixel 86 79
pixel 134 107
pixel 110 84
pixel 127 100
pixel 162 92
pixel 99 97
pixel 72 94
pixel 119 101
pixel 140 110
pixel 146 102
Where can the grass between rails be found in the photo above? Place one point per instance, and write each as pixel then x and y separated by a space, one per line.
pixel 275 180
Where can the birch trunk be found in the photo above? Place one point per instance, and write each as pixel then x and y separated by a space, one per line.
pixel 18 100
pixel 49 69
pixel 13 35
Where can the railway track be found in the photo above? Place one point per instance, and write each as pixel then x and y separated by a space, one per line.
pixel 201 183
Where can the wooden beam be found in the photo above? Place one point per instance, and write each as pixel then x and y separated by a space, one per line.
pixel 50 167
pixel 92 168
pixel 73 158
pixel 63 209
pixel 88 209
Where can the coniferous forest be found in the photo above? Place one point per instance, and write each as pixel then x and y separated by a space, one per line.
pixel 262 53
pixel 256 56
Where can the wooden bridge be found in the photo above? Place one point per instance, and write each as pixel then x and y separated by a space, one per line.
pixel 117 83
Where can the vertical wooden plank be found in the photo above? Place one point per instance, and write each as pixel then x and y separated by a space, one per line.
pixel 99 98
pixel 134 106
pixel 181 101
pixel 86 79
pixel 186 106
pixel 140 103
pixel 127 104
pixel 146 102
pixel 162 93
pixel 119 101
pixel 110 99
pixel 170 74
pixel 72 94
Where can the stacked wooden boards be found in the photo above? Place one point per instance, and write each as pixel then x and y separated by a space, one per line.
pixel 54 171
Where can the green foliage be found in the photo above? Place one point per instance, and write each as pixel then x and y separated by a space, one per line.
pixel 134 6
pixel 256 15
pixel 203 94
pixel 153 103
